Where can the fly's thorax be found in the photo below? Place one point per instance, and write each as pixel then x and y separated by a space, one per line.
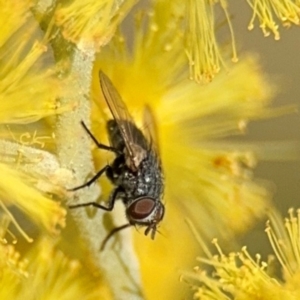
pixel 148 180
pixel 134 162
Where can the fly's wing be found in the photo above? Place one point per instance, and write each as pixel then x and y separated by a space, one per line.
pixel 150 129
pixel 135 150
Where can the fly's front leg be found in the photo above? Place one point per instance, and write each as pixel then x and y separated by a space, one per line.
pixel 111 202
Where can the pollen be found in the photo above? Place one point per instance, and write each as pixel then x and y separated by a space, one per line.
pixel 91 22
pixel 202 48
pixel 270 12
pixel 238 275
pixel 37 206
pixel 18 14
pixel 285 241
pixel 24 78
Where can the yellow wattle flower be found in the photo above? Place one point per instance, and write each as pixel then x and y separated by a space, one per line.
pixel 28 92
pixel 18 12
pixel 269 13
pixel 203 51
pixel 28 89
pixel 46 273
pixel 285 242
pixel 239 276
pixel 13 271
pixel 91 23
pixel 38 207
pixel 207 178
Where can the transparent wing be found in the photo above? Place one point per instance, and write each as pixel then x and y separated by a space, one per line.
pixel 150 128
pixel 135 145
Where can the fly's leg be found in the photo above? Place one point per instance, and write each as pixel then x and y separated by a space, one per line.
pixel 113 232
pixel 111 202
pixel 93 179
pixel 110 207
pixel 99 145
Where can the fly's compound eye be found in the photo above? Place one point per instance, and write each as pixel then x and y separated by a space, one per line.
pixel 147 212
pixel 141 209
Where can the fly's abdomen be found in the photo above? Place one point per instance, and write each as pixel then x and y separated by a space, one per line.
pixel 114 134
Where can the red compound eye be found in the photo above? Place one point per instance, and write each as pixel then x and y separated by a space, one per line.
pixel 141 208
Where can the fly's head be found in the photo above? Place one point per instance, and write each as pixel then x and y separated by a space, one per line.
pixel 145 211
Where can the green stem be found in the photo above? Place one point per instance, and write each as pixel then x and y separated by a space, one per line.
pixel 118 263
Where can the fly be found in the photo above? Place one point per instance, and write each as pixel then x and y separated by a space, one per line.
pixel 136 170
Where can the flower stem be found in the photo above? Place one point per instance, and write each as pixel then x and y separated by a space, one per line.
pixel 120 267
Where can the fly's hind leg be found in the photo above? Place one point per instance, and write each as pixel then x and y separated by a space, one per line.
pixel 99 145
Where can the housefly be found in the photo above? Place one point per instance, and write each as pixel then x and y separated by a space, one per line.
pixel 136 170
